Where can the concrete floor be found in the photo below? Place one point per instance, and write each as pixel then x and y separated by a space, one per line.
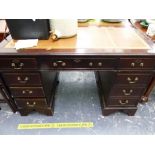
pixel 77 100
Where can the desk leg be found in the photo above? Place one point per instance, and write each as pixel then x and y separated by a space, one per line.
pixel 145 97
pixel 8 99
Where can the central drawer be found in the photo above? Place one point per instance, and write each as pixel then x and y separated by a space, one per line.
pixel 20 79
pixel 79 63
pixel 27 91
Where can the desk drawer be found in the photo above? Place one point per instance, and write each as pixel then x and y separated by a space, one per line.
pixel 18 63
pixel 133 79
pixel 18 79
pixel 127 91
pixel 107 63
pixel 31 103
pixel 122 102
pixel 27 91
pixel 136 63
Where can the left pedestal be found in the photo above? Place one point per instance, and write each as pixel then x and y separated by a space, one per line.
pixel 31 89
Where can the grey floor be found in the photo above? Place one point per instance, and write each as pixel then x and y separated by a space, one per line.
pixel 77 100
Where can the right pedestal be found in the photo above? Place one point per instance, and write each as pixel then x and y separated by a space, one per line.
pixel 120 91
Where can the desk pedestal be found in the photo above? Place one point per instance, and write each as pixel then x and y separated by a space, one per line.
pixel 118 93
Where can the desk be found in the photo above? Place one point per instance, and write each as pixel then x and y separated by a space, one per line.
pixel 122 59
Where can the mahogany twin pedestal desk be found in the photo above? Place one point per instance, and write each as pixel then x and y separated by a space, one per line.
pixel 122 59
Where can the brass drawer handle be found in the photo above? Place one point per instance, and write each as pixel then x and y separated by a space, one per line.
pixel 132 64
pixel 100 64
pixel 24 80
pixel 90 64
pixel 141 64
pixel 127 93
pixel 27 91
pixel 132 81
pixel 29 104
pixel 16 64
pixel 123 102
pixel 55 64
pixel 63 64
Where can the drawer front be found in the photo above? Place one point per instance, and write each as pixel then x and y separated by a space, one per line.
pixel 18 63
pixel 122 101
pixel 133 79
pixel 27 91
pixel 127 91
pixel 31 103
pixel 108 63
pixel 15 79
pixel 136 63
